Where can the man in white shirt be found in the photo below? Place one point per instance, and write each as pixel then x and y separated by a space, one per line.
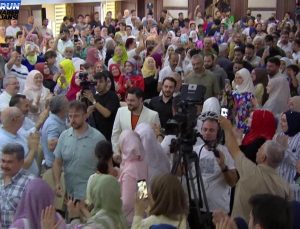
pixel 168 70
pixel 64 41
pixel 13 28
pixel 284 43
pixel 44 30
pixel 12 86
pixel 14 67
pixel 217 166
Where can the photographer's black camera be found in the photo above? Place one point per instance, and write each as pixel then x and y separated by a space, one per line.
pixel 85 84
pixel 184 121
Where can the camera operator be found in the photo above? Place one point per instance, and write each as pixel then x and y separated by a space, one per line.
pixel 85 79
pixel 105 105
pixel 216 164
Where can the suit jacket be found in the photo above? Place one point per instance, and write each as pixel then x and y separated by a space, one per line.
pixel 123 122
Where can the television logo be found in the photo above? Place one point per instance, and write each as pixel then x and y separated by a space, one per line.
pixel 9 9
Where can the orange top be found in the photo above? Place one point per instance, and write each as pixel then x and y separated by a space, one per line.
pixel 134 120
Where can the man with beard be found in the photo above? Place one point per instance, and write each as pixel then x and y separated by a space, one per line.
pixel 74 153
pixel 133 114
pixel 64 41
pixel 163 104
pixel 105 104
pixel 210 64
pixel 273 68
pixel 201 76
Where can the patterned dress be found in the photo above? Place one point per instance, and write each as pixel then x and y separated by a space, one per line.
pixel 244 106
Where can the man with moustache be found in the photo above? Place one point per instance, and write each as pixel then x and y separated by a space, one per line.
pixel 13 181
pixel 74 153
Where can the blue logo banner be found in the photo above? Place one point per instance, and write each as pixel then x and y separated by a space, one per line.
pixel 9 9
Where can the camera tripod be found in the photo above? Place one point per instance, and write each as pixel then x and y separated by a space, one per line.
pixel 194 182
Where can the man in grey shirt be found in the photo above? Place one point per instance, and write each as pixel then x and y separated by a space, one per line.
pixel 210 64
pixel 201 76
pixel 75 153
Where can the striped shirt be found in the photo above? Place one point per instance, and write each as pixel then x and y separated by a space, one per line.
pixel 10 196
pixel 287 169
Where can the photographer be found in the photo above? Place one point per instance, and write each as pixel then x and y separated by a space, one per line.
pixel 216 164
pixel 105 105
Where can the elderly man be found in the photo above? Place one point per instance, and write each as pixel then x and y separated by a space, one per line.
pixel 12 120
pixel 12 182
pixel 53 127
pixel 201 76
pixel 16 68
pixel 12 87
pixel 255 179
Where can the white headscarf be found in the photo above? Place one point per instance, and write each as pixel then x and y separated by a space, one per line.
pixel 192 34
pixel 279 95
pixel 166 61
pixel 155 157
pixel 247 85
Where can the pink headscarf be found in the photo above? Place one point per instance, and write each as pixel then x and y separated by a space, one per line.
pixel 92 56
pixel 133 155
pixel 155 157
pixel 29 83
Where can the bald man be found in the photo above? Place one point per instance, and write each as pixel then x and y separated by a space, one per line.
pixel 12 119
pixel 12 87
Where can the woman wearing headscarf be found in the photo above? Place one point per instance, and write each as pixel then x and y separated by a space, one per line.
pixel 149 72
pixel 67 71
pixel 171 49
pixel 118 80
pixel 36 92
pixel 279 94
pixel 120 56
pixel 284 62
pixel 260 81
pixel 155 157
pixel 290 125
pixel 37 196
pixel 107 212
pixel 294 103
pixel 32 56
pixel 168 205
pixel 243 98
pixel 74 87
pixel 262 125
pixel 133 168
pixel 132 78
pixel 92 56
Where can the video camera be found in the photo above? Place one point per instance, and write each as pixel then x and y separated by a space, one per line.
pixel 183 123
pixel 85 84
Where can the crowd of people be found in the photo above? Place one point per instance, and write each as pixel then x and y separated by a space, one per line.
pixel 84 119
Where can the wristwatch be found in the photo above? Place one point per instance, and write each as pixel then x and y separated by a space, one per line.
pixel 225 169
pixel 94 102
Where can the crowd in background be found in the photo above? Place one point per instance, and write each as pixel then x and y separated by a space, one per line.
pixel 84 119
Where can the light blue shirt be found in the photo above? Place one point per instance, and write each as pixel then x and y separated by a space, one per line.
pixel 79 160
pixel 6 137
pixel 52 129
